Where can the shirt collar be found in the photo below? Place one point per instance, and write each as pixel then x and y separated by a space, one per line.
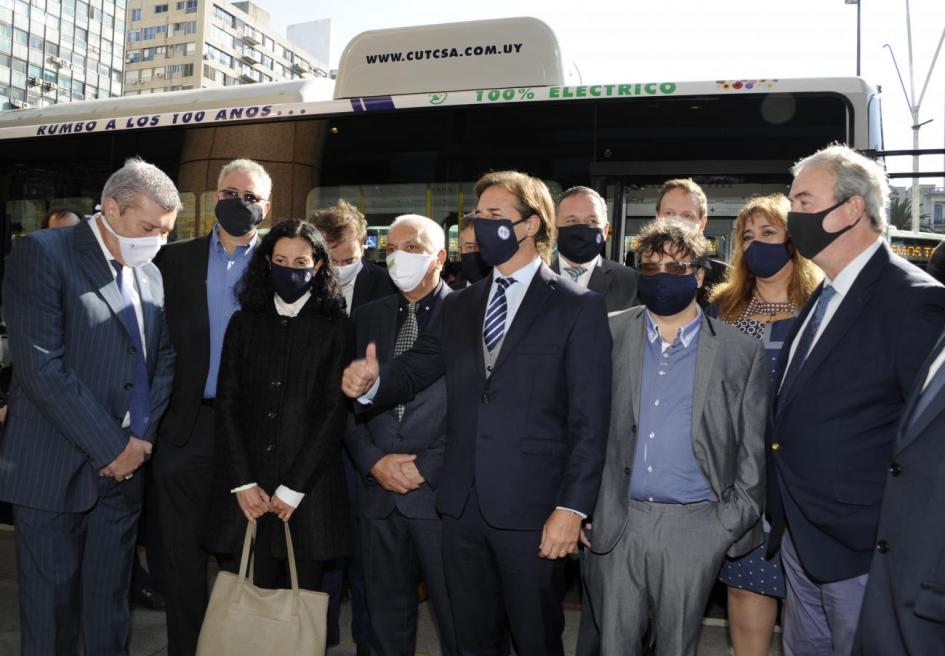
pixel 685 334
pixel 565 262
pixel 284 309
pixel 847 276
pixel 523 276
pixel 244 249
pixel 425 303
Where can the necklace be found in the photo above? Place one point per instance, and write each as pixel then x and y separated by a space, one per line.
pixel 759 306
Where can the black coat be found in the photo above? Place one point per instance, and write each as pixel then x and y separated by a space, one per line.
pixel 280 419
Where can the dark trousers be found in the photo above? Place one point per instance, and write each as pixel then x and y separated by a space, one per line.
pixel 397 550
pixel 183 478
pixel 75 570
pixel 350 572
pixel 497 581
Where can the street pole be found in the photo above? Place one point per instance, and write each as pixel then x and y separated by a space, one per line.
pixel 857 3
pixel 916 197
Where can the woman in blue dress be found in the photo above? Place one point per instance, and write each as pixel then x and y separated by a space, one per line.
pixel 765 287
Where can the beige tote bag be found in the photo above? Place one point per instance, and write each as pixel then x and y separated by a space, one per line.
pixel 243 619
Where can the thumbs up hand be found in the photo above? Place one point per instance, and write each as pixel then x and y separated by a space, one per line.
pixel 361 374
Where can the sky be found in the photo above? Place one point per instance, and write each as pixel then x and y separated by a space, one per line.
pixel 697 40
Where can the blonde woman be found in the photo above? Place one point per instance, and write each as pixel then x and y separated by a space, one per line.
pixel 766 285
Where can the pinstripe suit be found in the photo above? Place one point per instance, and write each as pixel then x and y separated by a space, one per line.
pixel 69 395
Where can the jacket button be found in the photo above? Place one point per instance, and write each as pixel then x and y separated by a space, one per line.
pixel 633 428
pixel 895 469
pixel 485 398
pixel 271 414
pixel 276 383
pixel 284 322
pixel 132 350
pixel 626 470
pixel 775 446
pixel 270 448
pixel 129 387
pixel 882 546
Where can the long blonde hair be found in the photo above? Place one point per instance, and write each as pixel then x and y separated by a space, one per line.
pixel 734 293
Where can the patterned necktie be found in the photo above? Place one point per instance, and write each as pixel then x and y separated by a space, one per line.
pixel 405 339
pixel 575 272
pixel 494 328
pixel 807 338
pixel 140 405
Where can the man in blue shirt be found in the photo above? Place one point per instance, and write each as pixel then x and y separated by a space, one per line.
pixel 683 481
pixel 198 314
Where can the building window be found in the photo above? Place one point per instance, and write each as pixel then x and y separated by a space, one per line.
pixel 186 28
pixel 224 16
pixel 160 9
pixel 135 15
pixel 190 6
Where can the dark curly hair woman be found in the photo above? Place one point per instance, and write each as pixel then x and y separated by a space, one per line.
pixel 280 414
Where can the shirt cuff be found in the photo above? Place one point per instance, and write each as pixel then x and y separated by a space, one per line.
pixel 290 497
pixel 572 510
pixel 368 397
pixel 248 486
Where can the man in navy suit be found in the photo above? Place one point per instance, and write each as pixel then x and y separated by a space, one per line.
pixel 526 358
pixel 843 379
pixel 94 363
pixel 399 451
pixel 904 606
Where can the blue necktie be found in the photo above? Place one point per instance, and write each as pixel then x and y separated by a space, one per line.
pixel 494 328
pixel 807 338
pixel 140 407
pixel 926 396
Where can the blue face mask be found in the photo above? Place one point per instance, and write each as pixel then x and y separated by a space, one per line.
pixel 765 260
pixel 290 284
pixel 496 240
pixel 580 243
pixel 666 294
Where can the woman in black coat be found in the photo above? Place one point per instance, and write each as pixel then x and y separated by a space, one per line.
pixel 280 414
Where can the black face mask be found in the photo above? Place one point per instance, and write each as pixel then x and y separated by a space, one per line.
pixel 473 266
pixel 290 283
pixel 666 294
pixel 496 239
pixel 238 217
pixel 580 243
pixel 807 233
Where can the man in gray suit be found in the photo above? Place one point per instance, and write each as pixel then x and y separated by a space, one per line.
pixel 399 451
pixel 684 477
pixel 94 363
pixel 581 218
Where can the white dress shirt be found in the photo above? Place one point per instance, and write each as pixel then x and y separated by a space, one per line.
pixel 585 278
pixel 841 284
pixel 933 369
pixel 348 290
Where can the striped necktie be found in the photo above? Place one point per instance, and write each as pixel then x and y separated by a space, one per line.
pixel 494 328
pixel 575 272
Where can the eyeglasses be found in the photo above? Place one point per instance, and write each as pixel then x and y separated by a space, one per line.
pixel 233 194
pixel 674 268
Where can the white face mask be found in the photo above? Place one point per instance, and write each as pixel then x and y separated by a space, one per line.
pixel 136 251
pixel 408 269
pixel 347 272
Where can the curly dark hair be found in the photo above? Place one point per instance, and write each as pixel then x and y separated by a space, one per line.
pixel 255 291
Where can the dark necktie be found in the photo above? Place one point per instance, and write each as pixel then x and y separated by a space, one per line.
pixel 405 339
pixel 140 406
pixel 493 329
pixel 807 338
pixel 931 391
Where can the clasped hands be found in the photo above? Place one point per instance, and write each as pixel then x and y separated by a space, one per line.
pixel 397 472
pixel 255 502
pixel 128 461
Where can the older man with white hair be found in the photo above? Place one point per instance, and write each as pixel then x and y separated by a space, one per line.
pixel 94 365
pixel 841 384
pixel 399 451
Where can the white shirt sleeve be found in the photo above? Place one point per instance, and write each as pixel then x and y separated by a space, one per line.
pixel 572 510
pixel 290 497
pixel 368 397
pixel 248 486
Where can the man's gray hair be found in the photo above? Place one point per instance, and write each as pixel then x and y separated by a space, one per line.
pixel 254 168
pixel 429 229
pixel 856 175
pixel 137 178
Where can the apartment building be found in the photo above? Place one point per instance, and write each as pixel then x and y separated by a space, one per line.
pixel 54 51
pixel 193 44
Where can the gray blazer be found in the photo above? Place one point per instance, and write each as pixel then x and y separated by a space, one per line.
pixel 728 420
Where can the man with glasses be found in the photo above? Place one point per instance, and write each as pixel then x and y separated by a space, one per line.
pixel 683 482
pixel 526 360
pixel 583 229
pixel 683 199
pixel 197 315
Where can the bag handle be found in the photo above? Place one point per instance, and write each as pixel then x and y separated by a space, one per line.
pixel 246 563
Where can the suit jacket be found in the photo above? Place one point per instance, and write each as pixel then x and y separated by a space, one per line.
pixel 532 435
pixel 74 362
pixel 371 436
pixel 373 282
pixel 904 606
pixel 728 417
pixel 714 274
pixel 280 420
pixel 614 281
pixel 830 435
pixel 184 268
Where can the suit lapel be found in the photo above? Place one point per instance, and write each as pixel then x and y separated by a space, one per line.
pixel 540 289
pixel 387 329
pixel 149 313
pixel 705 364
pixel 634 355
pixel 911 427
pixel 201 310
pixel 601 279
pixel 475 316
pixel 97 269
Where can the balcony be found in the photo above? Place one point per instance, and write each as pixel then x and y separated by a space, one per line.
pixel 250 56
pixel 251 37
pixel 246 78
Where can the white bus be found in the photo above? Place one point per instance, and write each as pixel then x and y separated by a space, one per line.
pixel 419 114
